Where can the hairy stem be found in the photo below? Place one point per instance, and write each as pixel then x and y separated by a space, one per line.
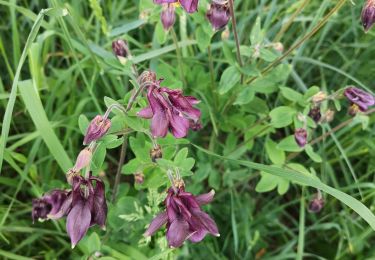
pixel 124 146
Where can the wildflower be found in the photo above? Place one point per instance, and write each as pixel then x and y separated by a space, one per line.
pixel 359 97
pixel 168 16
pixel 84 206
pixel 218 15
pixel 184 217
pixel 317 203
pixel 49 204
pixel 97 128
pixel 368 15
pixel 170 110
pixel 315 114
pixel 190 6
pixel 119 48
pixel 300 135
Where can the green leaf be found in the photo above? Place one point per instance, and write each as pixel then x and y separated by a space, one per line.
pixel 282 116
pixel 38 115
pixel 203 38
pixel 276 155
pixel 289 144
pixel 83 123
pixel 245 96
pixel 160 33
pixel 291 94
pixel 313 155
pixel 269 182
pixel 230 77
pixel 308 180
pixel 256 35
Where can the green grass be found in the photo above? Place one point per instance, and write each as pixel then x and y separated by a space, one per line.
pixel 57 66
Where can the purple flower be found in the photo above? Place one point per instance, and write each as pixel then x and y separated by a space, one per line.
pixel 84 206
pixel 170 110
pixel 119 48
pixel 190 6
pixel 368 14
pixel 300 135
pixel 50 203
pixel 168 16
pixel 315 114
pixel 218 15
pixel 184 218
pixel 359 97
pixel 97 128
pixel 316 204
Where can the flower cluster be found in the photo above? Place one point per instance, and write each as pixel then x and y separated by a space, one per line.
pixel 170 110
pixel 184 217
pixel 84 205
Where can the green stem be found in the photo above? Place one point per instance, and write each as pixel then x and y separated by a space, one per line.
pixel 179 58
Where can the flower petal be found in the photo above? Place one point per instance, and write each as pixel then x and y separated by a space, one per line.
pixel 208 222
pixel 190 6
pixel 206 198
pixel 100 208
pixel 78 222
pixel 177 233
pixel 156 223
pixel 145 113
pixel 179 125
pixel 159 124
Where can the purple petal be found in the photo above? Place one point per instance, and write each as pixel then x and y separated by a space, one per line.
pixel 206 198
pixel 159 124
pixel 207 222
pixel 177 233
pixel 97 128
pixel 159 2
pixel 218 15
pixel 100 208
pixel 145 113
pixel 190 6
pixel 192 100
pixel 198 235
pixel 78 222
pixel 179 125
pixel 156 223
pixel 64 209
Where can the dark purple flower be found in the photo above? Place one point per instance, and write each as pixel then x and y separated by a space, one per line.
pixel 315 114
pixel 184 218
pixel 97 128
pixel 84 206
pixel 218 15
pixel 168 16
pixel 190 6
pixel 170 110
pixel 368 14
pixel 359 97
pixel 316 204
pixel 300 135
pixel 119 48
pixel 50 203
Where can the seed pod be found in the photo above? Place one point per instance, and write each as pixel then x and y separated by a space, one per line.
pixel 156 153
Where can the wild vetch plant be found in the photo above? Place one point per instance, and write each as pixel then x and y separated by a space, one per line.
pixel 211 108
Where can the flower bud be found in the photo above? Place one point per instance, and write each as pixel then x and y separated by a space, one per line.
pixel 97 128
pixel 147 76
pixel 368 15
pixel 278 46
pixel 300 135
pixel 218 15
pixel 168 16
pixel 139 177
pixel 83 159
pixel 119 48
pixel 316 204
pixel 328 116
pixel 156 153
pixel 319 97
pixel 315 114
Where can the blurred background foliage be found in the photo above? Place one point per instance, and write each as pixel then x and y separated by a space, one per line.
pixel 70 75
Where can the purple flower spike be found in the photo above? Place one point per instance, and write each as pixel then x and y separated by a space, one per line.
pixel 168 16
pixel 359 97
pixel 368 15
pixel 170 110
pixel 300 135
pixel 97 128
pixel 184 218
pixel 190 6
pixel 50 203
pixel 218 15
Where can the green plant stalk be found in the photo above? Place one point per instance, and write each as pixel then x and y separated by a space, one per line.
pixel 179 57
pixel 301 229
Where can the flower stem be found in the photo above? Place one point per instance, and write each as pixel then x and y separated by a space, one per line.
pixel 234 28
pixel 124 146
pixel 179 58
